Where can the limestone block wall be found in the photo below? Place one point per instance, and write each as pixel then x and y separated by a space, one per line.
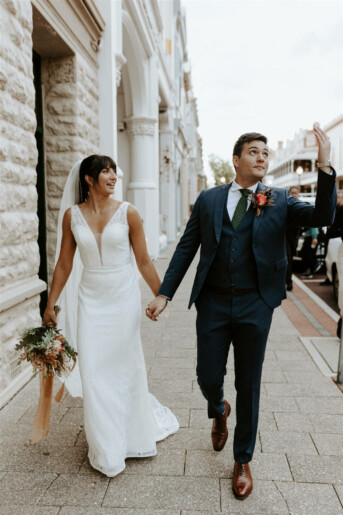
pixel 70 113
pixel 70 92
pixel 19 255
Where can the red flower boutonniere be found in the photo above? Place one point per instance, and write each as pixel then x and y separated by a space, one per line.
pixel 261 200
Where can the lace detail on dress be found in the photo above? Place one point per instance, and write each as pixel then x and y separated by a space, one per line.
pixel 77 217
pixel 120 216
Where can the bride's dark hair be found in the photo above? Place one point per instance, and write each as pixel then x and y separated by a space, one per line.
pixel 92 166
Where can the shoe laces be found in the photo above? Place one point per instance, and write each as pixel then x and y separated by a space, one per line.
pixel 241 469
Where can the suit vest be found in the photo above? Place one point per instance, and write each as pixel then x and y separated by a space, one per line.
pixel 234 262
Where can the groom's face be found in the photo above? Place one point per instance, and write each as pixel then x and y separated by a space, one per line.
pixel 252 165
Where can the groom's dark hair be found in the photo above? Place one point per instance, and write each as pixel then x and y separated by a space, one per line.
pixel 246 138
pixel 92 166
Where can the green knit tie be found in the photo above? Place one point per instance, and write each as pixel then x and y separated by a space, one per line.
pixel 241 208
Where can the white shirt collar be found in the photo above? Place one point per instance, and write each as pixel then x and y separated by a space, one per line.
pixel 235 187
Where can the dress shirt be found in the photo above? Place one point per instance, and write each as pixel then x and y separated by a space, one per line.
pixel 234 196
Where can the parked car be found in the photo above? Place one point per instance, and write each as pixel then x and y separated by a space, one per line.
pixel 331 264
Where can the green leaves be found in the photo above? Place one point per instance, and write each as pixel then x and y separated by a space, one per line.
pixel 222 170
pixel 46 346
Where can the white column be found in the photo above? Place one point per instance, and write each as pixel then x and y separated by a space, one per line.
pixel 142 190
pixel 110 63
pixel 185 186
pixel 167 175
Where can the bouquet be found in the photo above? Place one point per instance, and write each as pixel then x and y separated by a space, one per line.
pixel 47 350
pixel 50 354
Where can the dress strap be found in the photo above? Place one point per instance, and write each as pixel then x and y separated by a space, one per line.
pixel 76 216
pixel 120 216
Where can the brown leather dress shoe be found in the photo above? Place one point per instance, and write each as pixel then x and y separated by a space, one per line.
pixel 219 431
pixel 242 481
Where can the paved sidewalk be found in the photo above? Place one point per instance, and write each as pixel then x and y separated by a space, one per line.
pixel 297 466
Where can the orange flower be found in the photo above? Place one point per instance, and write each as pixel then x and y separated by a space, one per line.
pixel 261 199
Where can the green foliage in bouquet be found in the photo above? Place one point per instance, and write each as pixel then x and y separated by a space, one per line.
pixel 47 349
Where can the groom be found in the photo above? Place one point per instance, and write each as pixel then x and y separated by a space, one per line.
pixel 240 279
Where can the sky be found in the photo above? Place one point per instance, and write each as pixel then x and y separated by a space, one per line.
pixel 270 66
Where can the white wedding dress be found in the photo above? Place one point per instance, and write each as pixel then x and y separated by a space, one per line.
pixel 122 419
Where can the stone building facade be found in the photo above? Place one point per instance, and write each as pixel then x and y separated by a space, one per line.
pixel 79 78
pixel 300 155
pixel 49 119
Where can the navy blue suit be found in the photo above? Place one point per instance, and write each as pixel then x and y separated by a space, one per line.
pixel 251 259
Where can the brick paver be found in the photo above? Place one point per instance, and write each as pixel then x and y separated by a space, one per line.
pixel 298 462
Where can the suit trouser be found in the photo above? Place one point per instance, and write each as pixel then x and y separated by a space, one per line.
pixel 243 320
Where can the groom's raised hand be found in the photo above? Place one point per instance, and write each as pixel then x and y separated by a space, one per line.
pixel 155 307
pixel 324 147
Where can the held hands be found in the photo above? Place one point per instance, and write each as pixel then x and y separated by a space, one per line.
pixel 324 146
pixel 155 307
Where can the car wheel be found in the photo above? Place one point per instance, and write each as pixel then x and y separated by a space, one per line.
pixel 335 282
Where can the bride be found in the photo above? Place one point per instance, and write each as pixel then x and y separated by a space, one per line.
pixel 101 311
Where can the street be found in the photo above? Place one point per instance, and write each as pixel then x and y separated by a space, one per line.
pixel 325 292
pixel 298 461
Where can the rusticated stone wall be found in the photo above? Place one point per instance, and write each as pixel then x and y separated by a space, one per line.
pixel 70 112
pixel 70 129
pixel 18 152
pixel 19 254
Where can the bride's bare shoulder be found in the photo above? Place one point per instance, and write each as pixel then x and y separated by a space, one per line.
pixel 67 218
pixel 67 213
pixel 133 216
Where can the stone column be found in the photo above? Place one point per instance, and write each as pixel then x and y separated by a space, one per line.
pixel 142 189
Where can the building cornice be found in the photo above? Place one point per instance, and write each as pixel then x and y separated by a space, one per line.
pixel 78 23
pixel 94 12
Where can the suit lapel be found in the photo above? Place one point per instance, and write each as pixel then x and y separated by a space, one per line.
pixel 258 219
pixel 220 201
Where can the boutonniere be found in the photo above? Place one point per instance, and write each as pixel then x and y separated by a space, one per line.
pixel 261 200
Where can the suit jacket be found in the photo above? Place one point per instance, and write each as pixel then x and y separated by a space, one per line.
pixel 268 241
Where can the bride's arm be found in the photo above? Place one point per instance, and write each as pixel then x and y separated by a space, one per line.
pixel 138 242
pixel 63 268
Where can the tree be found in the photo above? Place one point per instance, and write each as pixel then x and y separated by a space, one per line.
pixel 221 169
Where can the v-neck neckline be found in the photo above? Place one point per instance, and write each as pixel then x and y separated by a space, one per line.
pixel 101 233
pixel 110 219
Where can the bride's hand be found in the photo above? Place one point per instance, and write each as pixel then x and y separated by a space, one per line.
pixel 155 307
pixel 49 317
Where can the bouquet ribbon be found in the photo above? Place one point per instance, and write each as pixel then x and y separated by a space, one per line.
pixel 41 423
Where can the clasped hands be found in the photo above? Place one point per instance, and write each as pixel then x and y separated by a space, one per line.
pixel 155 307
